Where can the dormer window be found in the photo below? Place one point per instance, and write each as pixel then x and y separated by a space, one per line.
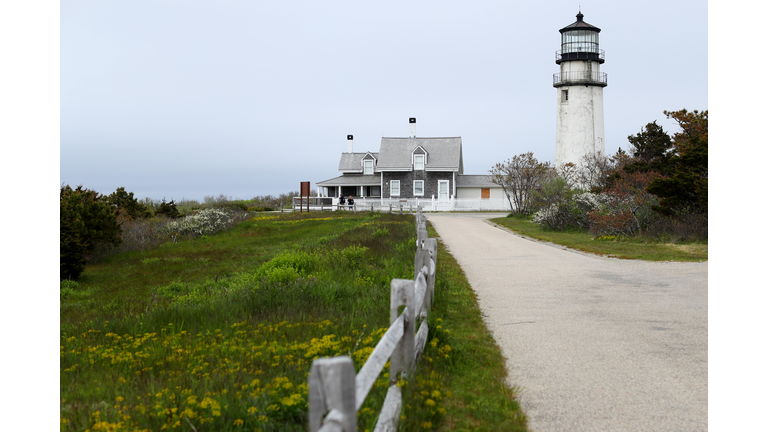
pixel 418 162
pixel 368 166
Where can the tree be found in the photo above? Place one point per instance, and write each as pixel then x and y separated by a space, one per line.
pixel 520 177
pixel 120 200
pixel 693 124
pixel 686 188
pixel 84 221
pixel 595 170
pixel 168 209
pixel 651 150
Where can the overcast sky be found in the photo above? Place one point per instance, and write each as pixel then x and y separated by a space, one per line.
pixel 183 99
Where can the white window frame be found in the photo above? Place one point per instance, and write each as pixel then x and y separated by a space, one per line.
pixel 415 193
pixel 394 188
pixel 366 164
pixel 423 162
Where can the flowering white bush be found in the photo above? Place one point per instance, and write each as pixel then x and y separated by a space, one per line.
pixel 589 201
pixel 571 212
pixel 204 222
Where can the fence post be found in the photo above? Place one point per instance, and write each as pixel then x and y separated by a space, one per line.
pixel 402 356
pixel 430 245
pixel 332 388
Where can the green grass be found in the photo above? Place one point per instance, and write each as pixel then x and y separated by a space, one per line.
pixel 612 247
pixel 219 332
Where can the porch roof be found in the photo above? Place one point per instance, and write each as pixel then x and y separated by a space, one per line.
pixel 352 180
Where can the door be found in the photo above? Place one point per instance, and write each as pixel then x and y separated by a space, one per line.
pixel 442 190
pixel 485 193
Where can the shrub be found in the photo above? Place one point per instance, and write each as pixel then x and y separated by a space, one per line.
pixel 137 235
pixel 628 209
pixel 125 203
pixel 168 209
pixel 67 288
pixel 203 222
pixel 85 221
pixel 683 227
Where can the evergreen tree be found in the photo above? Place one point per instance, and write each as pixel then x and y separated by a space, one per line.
pixel 84 221
pixel 651 150
pixel 120 200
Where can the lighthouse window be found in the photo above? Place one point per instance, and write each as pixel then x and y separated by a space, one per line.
pixel 580 41
pixel 565 96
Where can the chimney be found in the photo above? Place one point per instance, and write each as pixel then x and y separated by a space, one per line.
pixel 412 122
pixel 349 144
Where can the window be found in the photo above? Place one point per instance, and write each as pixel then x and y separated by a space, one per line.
pixel 565 96
pixel 418 187
pixel 418 162
pixel 394 188
pixel 368 166
pixel 485 193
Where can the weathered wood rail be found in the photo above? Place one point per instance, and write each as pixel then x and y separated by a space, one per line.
pixel 333 386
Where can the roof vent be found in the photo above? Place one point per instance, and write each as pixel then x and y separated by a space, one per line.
pixel 412 122
pixel 349 143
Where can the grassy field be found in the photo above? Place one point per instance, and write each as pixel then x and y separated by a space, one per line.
pixel 611 247
pixel 218 333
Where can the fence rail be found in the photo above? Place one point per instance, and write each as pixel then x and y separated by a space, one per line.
pixel 406 204
pixel 333 386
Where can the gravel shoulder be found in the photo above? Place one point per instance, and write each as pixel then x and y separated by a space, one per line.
pixel 594 343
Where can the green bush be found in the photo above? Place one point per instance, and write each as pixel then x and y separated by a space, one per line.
pixel 168 209
pixel 84 222
pixel 67 288
pixel 123 201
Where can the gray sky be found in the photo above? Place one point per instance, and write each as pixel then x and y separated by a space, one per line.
pixel 183 99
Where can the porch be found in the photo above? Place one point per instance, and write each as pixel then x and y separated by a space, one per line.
pixel 363 203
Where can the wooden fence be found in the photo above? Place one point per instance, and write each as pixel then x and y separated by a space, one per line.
pixel 333 386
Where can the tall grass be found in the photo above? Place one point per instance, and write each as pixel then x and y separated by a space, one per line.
pixel 218 332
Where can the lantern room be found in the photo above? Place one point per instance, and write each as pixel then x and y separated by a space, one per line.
pixel 580 41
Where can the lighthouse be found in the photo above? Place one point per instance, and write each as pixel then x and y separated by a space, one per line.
pixel 580 128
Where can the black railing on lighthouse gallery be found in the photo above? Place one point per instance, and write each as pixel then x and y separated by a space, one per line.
pixel 580 78
pixel 597 55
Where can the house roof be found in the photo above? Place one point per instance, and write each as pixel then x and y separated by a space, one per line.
pixel 352 180
pixel 350 162
pixel 474 181
pixel 444 154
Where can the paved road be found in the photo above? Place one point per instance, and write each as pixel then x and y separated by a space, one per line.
pixel 595 344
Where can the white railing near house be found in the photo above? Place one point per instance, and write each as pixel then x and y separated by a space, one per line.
pixel 333 386
pixel 405 204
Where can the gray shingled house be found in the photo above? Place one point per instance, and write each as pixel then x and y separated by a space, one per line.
pixel 411 167
pixel 420 167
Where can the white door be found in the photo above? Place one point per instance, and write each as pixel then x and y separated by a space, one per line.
pixel 442 190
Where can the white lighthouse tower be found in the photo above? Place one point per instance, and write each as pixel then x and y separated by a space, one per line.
pixel 580 129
